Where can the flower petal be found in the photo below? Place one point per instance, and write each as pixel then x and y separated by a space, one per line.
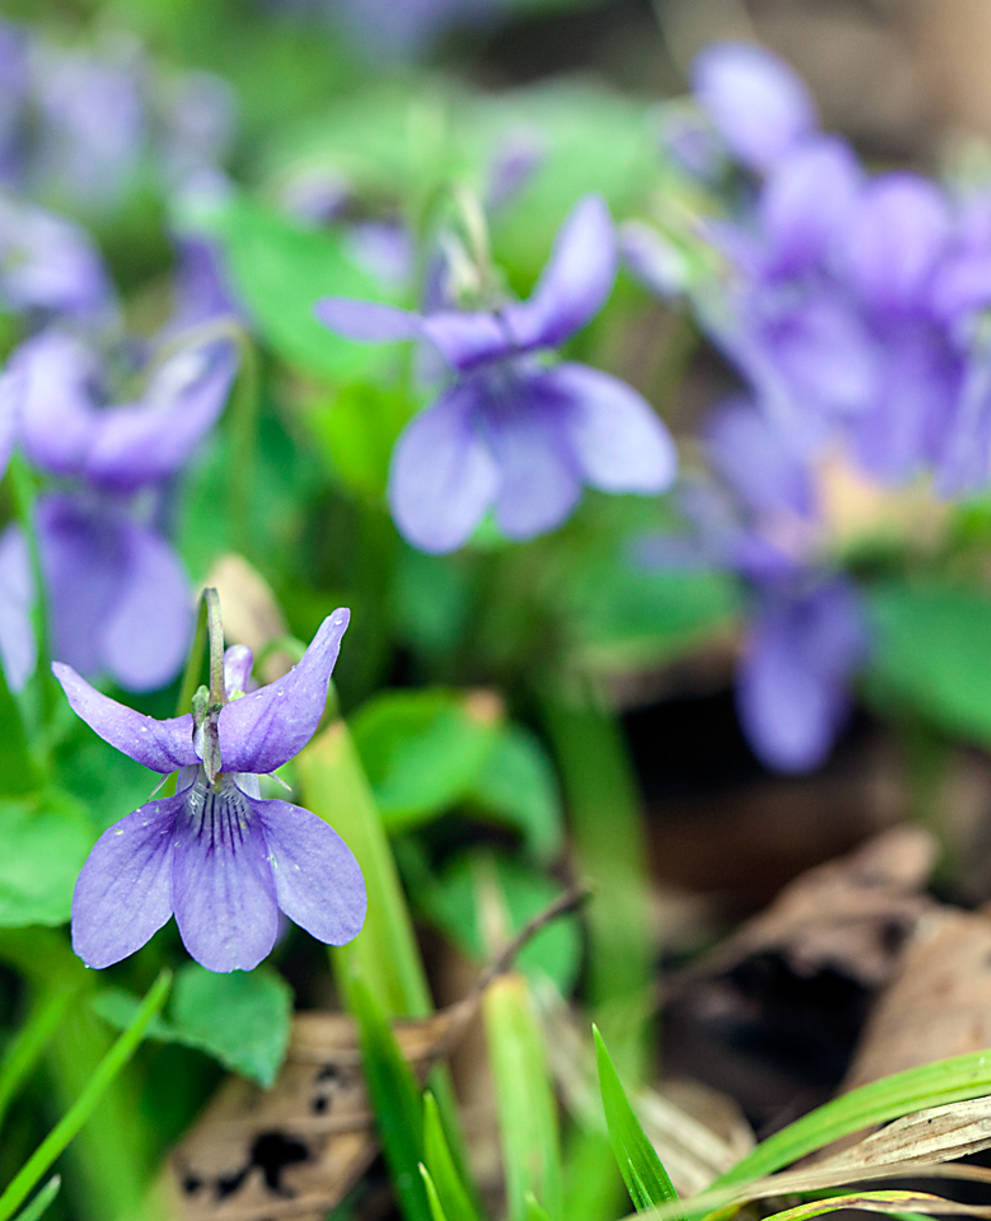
pixel 150 440
pixel 898 233
pixel 124 892
pixel 262 730
pixel 793 676
pixel 469 338
pixel 539 476
pixel 756 102
pixel 655 261
pixel 368 321
pixel 807 203
pixel 318 882
pixel 619 442
pixel 442 477
pixel 18 647
pixel 57 409
pixel 222 888
pixel 163 746
pixel 576 281
pixel 238 660
pixel 10 392
pixel 146 632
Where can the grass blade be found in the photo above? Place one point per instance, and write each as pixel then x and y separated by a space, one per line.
pixel 42 1201
pixel 433 1199
pixel 395 1100
pixel 444 1177
pixel 643 1172
pixel 524 1098
pixel 55 1142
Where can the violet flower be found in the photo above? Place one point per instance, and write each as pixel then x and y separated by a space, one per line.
pixel 510 432
pixel 48 265
pixel 216 855
pixel 118 599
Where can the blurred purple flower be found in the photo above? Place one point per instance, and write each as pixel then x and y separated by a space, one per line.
pixel 13 94
pixel 93 123
pixel 516 160
pixel 198 119
pixel 48 264
pixel 219 858
pixel 756 103
pixel 117 597
pixel 803 647
pixel 510 432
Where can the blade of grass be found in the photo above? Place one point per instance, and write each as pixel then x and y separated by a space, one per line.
pixel 113 1062
pixel 524 1098
pixel 42 1201
pixel 535 1211
pixel 443 1173
pixel 894 1203
pixel 28 1045
pixel 643 1172
pixel 433 1199
pixel 395 1100
pixel 930 1085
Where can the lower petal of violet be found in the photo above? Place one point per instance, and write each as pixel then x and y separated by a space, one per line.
pixel 442 477
pixel 124 893
pixel 222 887
pixel 318 882
pixel 618 441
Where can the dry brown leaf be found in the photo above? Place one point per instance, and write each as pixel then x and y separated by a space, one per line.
pixel 251 612
pixel 852 914
pixel 939 1002
pixel 938 1134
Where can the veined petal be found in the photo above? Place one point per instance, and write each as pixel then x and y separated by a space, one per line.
pixel 163 746
pixel 145 633
pixel 124 892
pixel 262 730
pixel 442 477
pixel 368 321
pixel 222 888
pixel 755 101
pixel 620 444
pixel 238 660
pixel 539 476
pixel 470 337
pixel 318 882
pixel 150 440
pixel 576 281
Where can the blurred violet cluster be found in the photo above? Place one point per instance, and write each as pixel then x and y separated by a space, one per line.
pixel 852 306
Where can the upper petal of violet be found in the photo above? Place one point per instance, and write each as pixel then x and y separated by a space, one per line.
pixel 55 377
pixel 576 281
pixel 264 729
pixel 756 102
pixel 163 746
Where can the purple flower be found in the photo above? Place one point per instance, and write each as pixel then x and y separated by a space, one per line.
pixel 217 856
pixel 510 432
pixel 802 649
pixel 48 264
pixel 756 102
pixel 13 95
pixel 118 599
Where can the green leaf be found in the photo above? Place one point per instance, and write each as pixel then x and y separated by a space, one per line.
pixel 42 1201
pixel 356 431
pixel 280 269
pixel 535 1211
pixel 442 1174
pixel 45 841
pixel 422 750
pixel 18 773
pixel 452 902
pixel 395 1100
pixel 241 1019
pixel 643 1172
pixel 517 785
pixel 525 1102
pixel 931 649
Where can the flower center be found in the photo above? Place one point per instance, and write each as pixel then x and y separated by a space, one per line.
pixel 219 812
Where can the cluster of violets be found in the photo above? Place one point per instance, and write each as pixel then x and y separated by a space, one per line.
pixel 852 305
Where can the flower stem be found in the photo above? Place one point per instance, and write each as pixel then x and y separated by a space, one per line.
pixel 215 634
pixel 67 1127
